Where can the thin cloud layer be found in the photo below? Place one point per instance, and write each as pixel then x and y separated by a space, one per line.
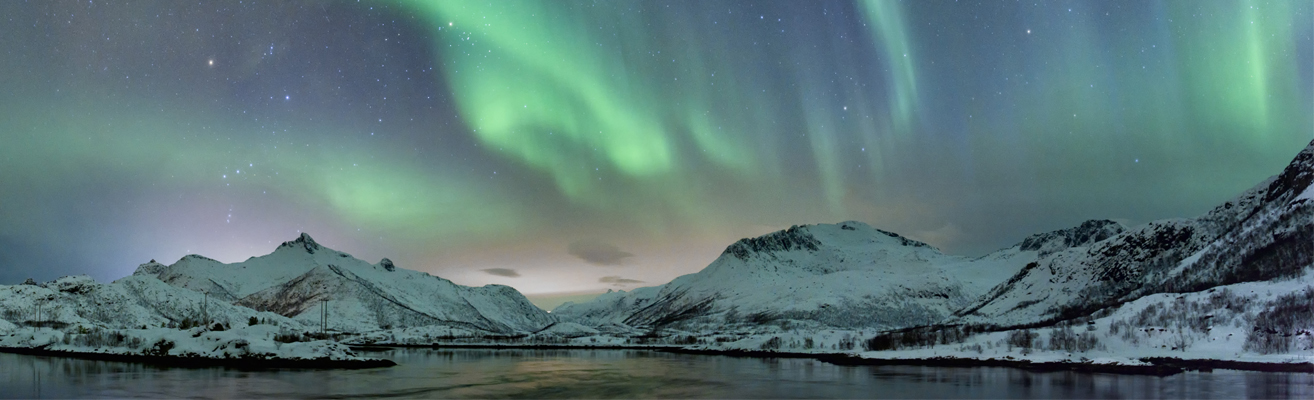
pixel 598 253
pixel 618 281
pixel 507 272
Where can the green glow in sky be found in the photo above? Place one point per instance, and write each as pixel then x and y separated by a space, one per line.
pixel 543 92
pixel 451 130
pixel 362 187
pixel 887 27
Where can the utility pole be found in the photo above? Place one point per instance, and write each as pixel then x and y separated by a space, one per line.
pixel 323 316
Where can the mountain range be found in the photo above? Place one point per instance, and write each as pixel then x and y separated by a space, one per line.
pixel 844 276
pixel 851 275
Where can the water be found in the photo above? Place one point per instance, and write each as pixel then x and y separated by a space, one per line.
pixel 615 374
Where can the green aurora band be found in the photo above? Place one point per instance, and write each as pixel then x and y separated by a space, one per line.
pixel 569 87
pixel 536 81
pixel 967 125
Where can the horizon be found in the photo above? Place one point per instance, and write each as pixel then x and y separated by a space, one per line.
pixel 563 148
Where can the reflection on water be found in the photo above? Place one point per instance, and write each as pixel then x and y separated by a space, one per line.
pixel 615 374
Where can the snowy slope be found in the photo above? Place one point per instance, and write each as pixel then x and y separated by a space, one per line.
pixel 301 277
pixel 838 275
pixel 1265 233
pixel 140 315
pixel 132 302
pixel 609 308
pixel 1250 322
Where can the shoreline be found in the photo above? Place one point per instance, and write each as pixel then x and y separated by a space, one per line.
pixel 379 347
pixel 205 362
pixel 1157 366
pixel 954 362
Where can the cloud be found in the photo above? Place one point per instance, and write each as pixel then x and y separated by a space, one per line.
pixel 618 281
pixel 598 253
pixel 507 272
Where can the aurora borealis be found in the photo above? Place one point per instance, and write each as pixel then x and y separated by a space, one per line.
pixel 565 146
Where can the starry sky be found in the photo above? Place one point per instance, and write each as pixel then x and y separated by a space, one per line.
pixel 577 146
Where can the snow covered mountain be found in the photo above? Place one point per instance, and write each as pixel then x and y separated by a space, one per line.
pixel 1265 233
pixel 850 275
pixel 836 275
pixel 301 277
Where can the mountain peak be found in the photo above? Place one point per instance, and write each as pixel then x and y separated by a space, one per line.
pixel 810 238
pixel 1085 234
pixel 1296 177
pixel 903 241
pixel 151 268
pixel 864 229
pixel 794 238
pixel 304 242
pixel 197 257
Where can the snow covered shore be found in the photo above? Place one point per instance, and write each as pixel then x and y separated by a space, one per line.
pixel 142 319
pixel 258 346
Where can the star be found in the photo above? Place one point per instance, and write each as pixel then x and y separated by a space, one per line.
pixel 1028 31
pixel 211 62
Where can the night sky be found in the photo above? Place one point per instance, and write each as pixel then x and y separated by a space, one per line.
pixel 580 146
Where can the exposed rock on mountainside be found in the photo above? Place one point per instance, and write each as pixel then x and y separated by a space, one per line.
pixel 1087 233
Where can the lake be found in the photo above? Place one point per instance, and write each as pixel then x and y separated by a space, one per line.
pixel 616 374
